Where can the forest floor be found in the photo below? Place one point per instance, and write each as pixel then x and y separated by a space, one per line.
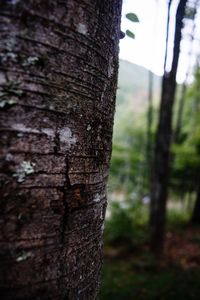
pixel 133 274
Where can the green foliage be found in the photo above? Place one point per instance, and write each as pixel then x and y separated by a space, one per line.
pixel 186 156
pixel 9 94
pixel 190 12
pixel 127 159
pixel 128 164
pixel 128 170
pixel 186 164
pixel 120 280
pixel 130 34
pixel 126 225
pixel 132 17
pixel 177 218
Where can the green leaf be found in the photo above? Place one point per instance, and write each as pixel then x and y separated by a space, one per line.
pixel 190 13
pixel 130 34
pixel 132 17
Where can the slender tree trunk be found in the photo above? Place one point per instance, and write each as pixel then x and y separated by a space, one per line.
pixel 160 172
pixel 196 212
pixel 177 131
pixel 58 74
pixel 149 141
pixel 149 127
pixel 167 34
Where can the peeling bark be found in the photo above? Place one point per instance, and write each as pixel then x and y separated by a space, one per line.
pixel 58 76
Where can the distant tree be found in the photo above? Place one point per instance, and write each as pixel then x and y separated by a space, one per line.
pixel 160 169
pixel 149 143
pixel 196 142
pixel 58 77
pixel 186 150
pixel 196 212
pixel 149 133
pixel 167 33
pixel 190 15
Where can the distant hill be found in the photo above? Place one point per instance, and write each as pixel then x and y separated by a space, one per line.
pixel 133 87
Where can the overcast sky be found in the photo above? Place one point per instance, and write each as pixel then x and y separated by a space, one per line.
pixel 148 48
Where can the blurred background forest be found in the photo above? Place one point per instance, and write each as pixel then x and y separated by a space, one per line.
pixel 152 232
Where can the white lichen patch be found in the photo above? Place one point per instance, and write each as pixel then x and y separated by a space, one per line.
pixel 49 132
pixel 9 157
pixel 88 127
pixel 66 137
pixel 14 1
pixel 20 134
pixel 32 60
pixel 23 256
pixel 103 92
pixel 24 169
pixel 102 214
pixel 9 102
pixel 19 216
pixel 110 67
pixel 82 28
pixel 9 56
pixel 2 78
pixel 97 198
pixel 51 107
pixel 21 127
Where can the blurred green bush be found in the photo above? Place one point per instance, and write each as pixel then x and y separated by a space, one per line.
pixel 127 224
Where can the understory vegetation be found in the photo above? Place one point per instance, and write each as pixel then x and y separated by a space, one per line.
pixel 130 270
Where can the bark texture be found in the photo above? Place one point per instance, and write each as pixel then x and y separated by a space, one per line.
pixel 58 74
pixel 160 171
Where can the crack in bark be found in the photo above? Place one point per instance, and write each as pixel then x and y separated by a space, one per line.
pixel 64 226
pixel 57 142
pixel 67 186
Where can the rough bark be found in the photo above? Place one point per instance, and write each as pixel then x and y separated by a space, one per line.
pixel 160 169
pixel 58 75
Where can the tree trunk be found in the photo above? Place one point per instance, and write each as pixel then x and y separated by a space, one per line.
pixel 181 105
pixel 58 75
pixel 149 127
pixel 167 34
pixel 196 212
pixel 160 170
